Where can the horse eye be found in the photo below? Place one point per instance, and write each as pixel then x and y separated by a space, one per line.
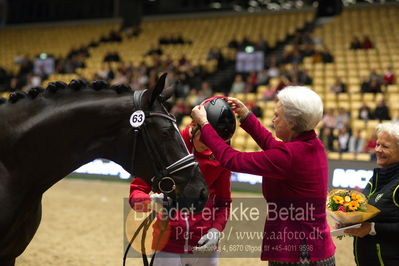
pixel 166 132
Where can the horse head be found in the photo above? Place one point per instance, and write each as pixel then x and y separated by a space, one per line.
pixel 163 160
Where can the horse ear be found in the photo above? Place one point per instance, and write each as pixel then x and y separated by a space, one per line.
pixel 168 92
pixel 156 91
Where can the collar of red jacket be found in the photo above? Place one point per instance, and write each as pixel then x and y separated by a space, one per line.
pixel 307 135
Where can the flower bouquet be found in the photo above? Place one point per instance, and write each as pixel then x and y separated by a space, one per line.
pixel 348 207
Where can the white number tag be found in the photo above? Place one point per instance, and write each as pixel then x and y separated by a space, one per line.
pixel 137 118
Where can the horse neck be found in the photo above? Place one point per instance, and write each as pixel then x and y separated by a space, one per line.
pixel 55 135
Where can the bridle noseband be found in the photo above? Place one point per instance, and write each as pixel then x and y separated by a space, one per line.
pixel 161 181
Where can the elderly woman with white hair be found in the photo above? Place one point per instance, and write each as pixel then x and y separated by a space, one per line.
pixel 294 171
pixel 376 241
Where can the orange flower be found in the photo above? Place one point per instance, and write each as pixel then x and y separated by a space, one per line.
pixel 358 198
pixel 353 205
pixel 338 199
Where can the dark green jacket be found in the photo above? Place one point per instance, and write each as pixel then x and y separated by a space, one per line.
pixel 382 192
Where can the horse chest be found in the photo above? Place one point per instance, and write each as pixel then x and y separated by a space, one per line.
pixel 19 231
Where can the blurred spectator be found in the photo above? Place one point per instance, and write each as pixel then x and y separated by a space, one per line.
pixel 269 94
pixel 374 86
pixel 112 57
pixel 251 82
pixel 154 50
pixel 389 77
pixel 342 118
pixel 374 75
pixel 343 139
pixel 329 119
pixel 370 146
pixel 367 44
pixel 273 70
pixel 356 142
pixel 238 85
pixel 261 44
pixel 120 78
pixel 244 43
pixel 113 36
pixel 307 38
pixel 300 76
pixel 317 56
pixel 179 110
pixel 133 31
pixel 106 72
pixel 307 50
pixel 262 78
pixel 327 137
pixel 33 81
pixel 365 86
pixel 257 110
pixel 381 112
pixel 206 90
pixel 355 43
pixel 233 43
pixel 296 57
pixel 338 87
pixel 4 79
pixel 216 54
pixel 284 82
pixel 172 39
pixel 365 112
pixel 327 57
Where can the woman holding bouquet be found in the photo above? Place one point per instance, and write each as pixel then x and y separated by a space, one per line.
pixel 376 241
pixel 295 176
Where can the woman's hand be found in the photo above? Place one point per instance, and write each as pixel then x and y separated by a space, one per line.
pixel 362 231
pixel 199 115
pixel 238 107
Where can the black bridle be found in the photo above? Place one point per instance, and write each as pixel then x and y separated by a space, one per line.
pixel 162 174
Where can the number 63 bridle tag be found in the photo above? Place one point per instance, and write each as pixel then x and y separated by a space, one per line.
pixel 137 118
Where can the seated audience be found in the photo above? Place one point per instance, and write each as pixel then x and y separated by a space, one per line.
pixel 371 143
pixel 329 120
pixel 389 76
pixel 342 118
pixel 381 112
pixel 367 44
pixel 355 43
pixel 356 142
pixel 238 85
pixel 365 112
pixel 327 138
pixel 374 86
pixel 338 87
pixel 343 139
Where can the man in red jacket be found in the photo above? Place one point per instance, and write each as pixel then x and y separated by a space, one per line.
pixel 191 235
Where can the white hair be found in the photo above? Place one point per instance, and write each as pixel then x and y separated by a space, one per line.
pixel 390 128
pixel 302 106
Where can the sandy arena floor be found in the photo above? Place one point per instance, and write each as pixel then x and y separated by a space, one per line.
pixel 82 225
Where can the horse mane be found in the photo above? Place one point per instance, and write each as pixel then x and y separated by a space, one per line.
pixel 74 85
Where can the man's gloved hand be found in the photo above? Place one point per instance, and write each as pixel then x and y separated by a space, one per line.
pixel 208 242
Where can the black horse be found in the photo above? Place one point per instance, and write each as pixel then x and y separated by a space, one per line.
pixel 46 134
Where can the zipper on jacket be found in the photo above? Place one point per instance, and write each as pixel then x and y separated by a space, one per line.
pixel 379 254
pixel 187 234
pixel 375 188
